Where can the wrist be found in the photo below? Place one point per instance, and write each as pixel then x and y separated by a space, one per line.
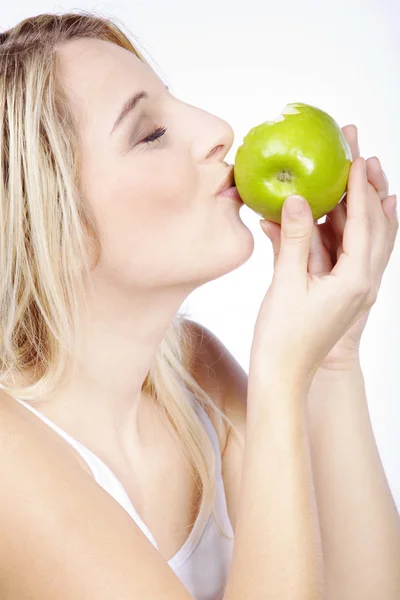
pixel 266 390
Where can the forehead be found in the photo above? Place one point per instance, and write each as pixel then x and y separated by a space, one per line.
pixel 101 74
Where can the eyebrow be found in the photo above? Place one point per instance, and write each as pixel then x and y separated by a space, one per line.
pixel 128 106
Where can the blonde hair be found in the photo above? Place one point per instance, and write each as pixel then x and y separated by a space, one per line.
pixel 47 232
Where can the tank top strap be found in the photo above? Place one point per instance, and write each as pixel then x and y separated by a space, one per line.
pixel 102 473
pixel 82 450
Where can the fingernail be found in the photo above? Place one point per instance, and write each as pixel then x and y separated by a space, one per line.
pixel 294 206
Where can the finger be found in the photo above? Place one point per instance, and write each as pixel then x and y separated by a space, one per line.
pixel 338 216
pixel 276 245
pixel 351 134
pixel 383 231
pixel 330 241
pixel 319 260
pixel 377 177
pixel 272 231
pixel 379 237
pixel 385 215
pixel 337 219
pixel 389 207
pixel 357 232
pixel 383 238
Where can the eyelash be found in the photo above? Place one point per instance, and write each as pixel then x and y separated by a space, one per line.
pixel 155 135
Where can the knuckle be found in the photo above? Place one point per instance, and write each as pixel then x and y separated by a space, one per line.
pixel 294 234
pixel 365 218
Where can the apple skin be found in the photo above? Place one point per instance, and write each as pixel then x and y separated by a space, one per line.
pixel 303 151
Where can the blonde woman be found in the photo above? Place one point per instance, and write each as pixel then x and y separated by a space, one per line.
pixel 137 460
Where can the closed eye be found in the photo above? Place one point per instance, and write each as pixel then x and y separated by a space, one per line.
pixel 159 132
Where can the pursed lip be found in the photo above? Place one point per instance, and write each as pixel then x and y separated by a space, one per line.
pixel 228 182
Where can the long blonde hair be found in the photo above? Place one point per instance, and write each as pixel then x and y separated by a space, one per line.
pixel 47 232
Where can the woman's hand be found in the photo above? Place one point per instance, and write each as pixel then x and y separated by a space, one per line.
pixel 304 315
pixel 327 246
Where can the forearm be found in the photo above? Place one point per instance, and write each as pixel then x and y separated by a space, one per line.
pixel 360 525
pixel 277 551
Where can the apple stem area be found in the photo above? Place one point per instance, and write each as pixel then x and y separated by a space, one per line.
pixel 285 176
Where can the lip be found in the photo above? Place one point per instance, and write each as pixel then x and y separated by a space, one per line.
pixel 227 183
pixel 232 193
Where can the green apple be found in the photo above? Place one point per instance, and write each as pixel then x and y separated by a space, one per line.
pixel 303 151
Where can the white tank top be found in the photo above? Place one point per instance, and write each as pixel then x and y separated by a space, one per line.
pixel 203 568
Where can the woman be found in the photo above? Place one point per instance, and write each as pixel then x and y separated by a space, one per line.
pixel 122 478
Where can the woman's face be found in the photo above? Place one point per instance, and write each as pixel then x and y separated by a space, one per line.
pixel 160 223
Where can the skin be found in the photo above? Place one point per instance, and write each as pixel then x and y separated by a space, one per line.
pixel 327 246
pixel 163 234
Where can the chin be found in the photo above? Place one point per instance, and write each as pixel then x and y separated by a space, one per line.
pixel 243 249
pixel 229 255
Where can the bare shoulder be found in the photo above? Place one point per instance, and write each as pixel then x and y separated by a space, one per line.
pixel 61 534
pixel 225 380
pixel 18 423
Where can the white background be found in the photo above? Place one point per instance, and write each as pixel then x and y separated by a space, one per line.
pixel 244 61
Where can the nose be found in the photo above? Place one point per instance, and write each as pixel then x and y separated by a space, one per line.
pixel 212 137
pixel 223 138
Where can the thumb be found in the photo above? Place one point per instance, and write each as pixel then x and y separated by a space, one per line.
pixel 296 232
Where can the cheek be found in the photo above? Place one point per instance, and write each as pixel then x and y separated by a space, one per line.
pixel 163 192
pixel 140 210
